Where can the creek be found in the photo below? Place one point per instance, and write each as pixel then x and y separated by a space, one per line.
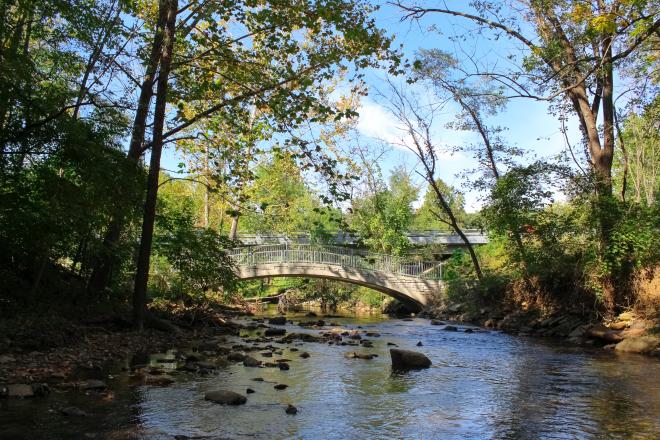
pixel 482 385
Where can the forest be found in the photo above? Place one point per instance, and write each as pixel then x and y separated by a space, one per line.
pixel 140 138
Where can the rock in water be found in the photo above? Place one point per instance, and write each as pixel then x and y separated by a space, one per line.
pixel 408 360
pixel 249 361
pixel 225 397
pixel 7 358
pixel 20 390
pixel 158 380
pixel 281 386
pixel 291 409
pixel 419 344
pixel 94 384
pixel 450 328
pixel 277 320
pixel 642 344
pixel 275 332
pixel 72 411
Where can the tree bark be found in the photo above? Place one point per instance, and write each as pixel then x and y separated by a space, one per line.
pixel 144 256
pixel 233 231
pixel 100 277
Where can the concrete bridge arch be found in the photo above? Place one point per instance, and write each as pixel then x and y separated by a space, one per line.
pixel 412 283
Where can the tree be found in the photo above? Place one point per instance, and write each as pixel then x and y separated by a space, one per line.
pixel 197 255
pixel 637 164
pixel 382 217
pixel 217 72
pixel 575 51
pixel 416 120
pixel 426 218
pixel 279 200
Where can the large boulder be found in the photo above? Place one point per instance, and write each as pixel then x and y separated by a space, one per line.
pixel 641 344
pixel 408 360
pixel 600 332
pixel 225 397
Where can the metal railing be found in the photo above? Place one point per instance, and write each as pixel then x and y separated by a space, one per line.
pixel 337 256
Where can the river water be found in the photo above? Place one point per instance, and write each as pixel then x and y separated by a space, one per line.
pixel 482 385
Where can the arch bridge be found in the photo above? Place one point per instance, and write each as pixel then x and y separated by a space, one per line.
pixel 411 282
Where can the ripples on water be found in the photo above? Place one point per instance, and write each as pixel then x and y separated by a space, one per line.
pixel 481 386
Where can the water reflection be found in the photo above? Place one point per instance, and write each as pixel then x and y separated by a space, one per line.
pixel 480 386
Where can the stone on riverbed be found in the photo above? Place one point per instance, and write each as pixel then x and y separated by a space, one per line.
pixel 354 355
pixel 225 397
pixel 93 384
pixel 20 390
pixel 642 344
pixel 158 380
pixel 277 320
pixel 7 358
pixel 249 361
pixel 291 409
pixel 275 332
pixel 408 360
pixel 236 357
pixel 72 411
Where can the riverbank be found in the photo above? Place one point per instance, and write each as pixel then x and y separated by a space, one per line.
pixel 627 333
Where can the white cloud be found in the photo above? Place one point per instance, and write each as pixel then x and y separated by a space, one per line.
pixel 375 121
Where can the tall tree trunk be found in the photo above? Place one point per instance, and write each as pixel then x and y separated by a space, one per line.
pixel 144 256
pixel 233 231
pixel 207 206
pixel 612 286
pixel 100 277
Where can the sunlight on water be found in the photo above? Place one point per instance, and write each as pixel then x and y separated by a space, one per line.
pixel 481 385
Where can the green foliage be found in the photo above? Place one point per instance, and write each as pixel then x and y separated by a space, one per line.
pixel 189 260
pixel 636 170
pixel 280 201
pixel 634 240
pixel 426 217
pixel 381 219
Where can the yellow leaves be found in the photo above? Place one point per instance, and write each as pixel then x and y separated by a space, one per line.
pixel 536 50
pixel 604 24
pixel 581 12
pixel 146 9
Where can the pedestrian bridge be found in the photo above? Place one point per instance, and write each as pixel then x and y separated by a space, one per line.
pixel 411 282
pixel 442 243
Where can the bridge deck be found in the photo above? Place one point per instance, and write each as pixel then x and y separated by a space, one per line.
pixel 419 238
